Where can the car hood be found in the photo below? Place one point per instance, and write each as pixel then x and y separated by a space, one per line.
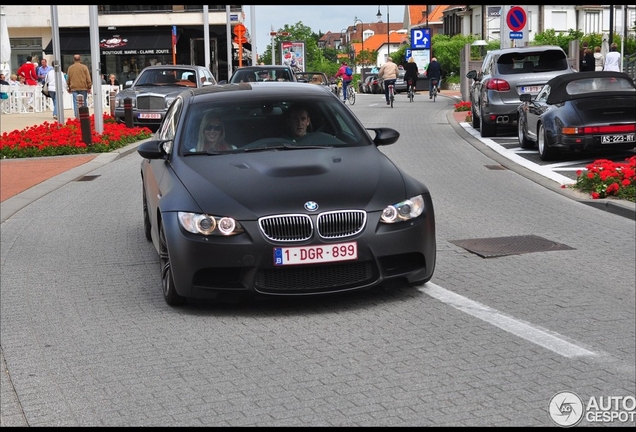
pixel 160 90
pixel 251 185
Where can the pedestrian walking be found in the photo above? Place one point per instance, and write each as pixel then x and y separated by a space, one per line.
pixel 51 81
pixel 613 59
pixel 78 81
pixel 599 59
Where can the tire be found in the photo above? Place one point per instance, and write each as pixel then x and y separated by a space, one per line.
pixel 524 142
pixel 147 226
pixel 352 97
pixel 546 153
pixel 475 117
pixel 487 130
pixel 167 281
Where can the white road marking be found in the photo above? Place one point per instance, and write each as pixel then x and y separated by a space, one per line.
pixel 544 171
pixel 545 338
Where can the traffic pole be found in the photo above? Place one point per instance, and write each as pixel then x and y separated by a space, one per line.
pixel 128 114
pixel 85 124
pixel 111 102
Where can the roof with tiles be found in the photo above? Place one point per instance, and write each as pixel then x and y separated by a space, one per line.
pixel 417 14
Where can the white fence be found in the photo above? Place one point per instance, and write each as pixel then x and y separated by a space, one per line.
pixel 29 99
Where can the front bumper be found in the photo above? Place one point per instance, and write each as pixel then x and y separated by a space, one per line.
pixel 243 265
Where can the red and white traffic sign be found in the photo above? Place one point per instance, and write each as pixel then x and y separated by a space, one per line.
pixel 516 18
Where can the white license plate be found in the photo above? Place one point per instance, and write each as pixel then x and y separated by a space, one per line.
pixel 315 254
pixel 610 139
pixel 530 89
pixel 149 115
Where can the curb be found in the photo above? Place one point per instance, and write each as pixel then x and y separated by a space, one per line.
pixel 622 208
pixel 12 205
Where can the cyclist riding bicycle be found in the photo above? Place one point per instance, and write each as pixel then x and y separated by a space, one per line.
pixel 388 72
pixel 411 73
pixel 434 74
pixel 347 75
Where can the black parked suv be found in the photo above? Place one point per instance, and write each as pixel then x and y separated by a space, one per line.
pixel 506 74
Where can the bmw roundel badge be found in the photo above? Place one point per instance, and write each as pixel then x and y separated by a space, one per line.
pixel 311 206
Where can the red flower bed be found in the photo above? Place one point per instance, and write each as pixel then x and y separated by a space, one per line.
pixel 52 139
pixel 605 178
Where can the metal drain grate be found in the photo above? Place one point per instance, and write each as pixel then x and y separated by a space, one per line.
pixel 87 178
pixel 515 245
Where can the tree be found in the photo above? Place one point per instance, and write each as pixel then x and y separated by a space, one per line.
pixel 297 33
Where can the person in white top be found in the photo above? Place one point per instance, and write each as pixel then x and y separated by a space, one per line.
pixel 613 59
pixel 50 80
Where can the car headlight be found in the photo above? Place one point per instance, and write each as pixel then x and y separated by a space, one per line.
pixel 204 224
pixel 403 211
pixel 119 103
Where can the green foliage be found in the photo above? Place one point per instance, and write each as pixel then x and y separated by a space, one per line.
pixel 447 49
pixel 550 37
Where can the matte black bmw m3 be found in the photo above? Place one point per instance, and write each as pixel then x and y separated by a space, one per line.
pixel 278 189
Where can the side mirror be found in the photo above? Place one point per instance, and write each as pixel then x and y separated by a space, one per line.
pixel 471 74
pixel 525 97
pixel 152 149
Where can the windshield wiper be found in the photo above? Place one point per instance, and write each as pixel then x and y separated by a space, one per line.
pixel 287 147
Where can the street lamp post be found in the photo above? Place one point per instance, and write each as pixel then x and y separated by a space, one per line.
pixel 343 32
pixel 388 29
pixel 355 21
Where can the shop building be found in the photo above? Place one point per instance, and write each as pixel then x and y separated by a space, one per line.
pixel 130 36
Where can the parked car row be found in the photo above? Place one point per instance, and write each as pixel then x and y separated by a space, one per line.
pixel 556 108
pixel 371 84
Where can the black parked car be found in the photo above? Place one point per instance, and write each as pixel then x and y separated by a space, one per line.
pixel 279 73
pixel 580 111
pixel 155 88
pixel 272 215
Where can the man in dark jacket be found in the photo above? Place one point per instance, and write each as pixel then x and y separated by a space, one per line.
pixel 433 72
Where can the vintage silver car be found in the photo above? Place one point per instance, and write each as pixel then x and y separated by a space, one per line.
pixel 154 90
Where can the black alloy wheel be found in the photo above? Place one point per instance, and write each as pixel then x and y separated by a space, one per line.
pixel 167 281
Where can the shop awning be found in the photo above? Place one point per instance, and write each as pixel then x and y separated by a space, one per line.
pixel 110 43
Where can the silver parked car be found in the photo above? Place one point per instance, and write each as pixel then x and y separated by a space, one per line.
pixel 505 75
pixel 154 90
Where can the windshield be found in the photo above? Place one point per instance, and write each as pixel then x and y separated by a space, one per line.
pixel 167 76
pixel 289 124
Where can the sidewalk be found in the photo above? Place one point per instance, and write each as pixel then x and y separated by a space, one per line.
pixel 24 180
pixel 13 172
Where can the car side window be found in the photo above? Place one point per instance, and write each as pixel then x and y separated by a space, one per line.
pixel 544 93
pixel 168 128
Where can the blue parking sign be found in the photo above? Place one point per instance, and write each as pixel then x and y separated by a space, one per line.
pixel 421 38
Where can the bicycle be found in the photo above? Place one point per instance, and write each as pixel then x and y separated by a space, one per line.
pixel 351 95
pixel 339 88
pixel 410 90
pixel 434 91
pixel 391 94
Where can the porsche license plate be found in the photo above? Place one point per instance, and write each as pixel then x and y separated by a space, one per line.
pixel 150 116
pixel 530 89
pixel 315 254
pixel 610 139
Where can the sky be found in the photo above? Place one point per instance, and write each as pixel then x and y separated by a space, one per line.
pixel 317 18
